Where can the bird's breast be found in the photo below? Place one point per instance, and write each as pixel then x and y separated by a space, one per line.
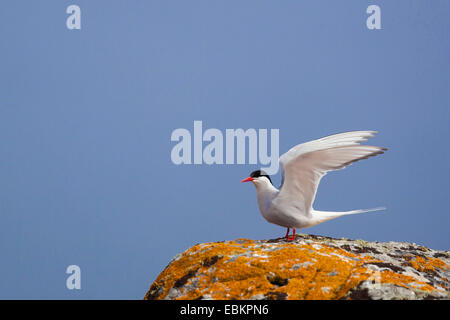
pixel 284 215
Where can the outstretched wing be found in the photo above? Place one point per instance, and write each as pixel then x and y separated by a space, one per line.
pixel 305 164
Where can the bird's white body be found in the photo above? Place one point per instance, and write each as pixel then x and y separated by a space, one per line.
pixel 303 166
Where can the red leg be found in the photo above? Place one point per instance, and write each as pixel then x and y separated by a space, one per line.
pixel 287 234
pixel 293 235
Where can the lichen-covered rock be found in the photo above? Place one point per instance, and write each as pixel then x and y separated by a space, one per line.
pixel 311 267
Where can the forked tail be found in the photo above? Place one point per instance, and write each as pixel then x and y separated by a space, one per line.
pixel 322 216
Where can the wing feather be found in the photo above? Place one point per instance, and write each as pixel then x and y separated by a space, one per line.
pixel 304 165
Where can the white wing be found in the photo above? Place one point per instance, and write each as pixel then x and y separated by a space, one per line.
pixel 305 164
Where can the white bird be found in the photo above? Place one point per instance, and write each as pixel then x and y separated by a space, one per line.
pixel 302 168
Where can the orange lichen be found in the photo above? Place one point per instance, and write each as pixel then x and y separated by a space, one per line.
pixel 427 264
pixel 243 268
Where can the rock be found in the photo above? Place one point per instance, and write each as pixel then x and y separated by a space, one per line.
pixel 311 267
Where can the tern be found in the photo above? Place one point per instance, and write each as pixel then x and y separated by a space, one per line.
pixel 302 168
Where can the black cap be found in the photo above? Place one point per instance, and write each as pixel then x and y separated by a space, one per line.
pixel 260 173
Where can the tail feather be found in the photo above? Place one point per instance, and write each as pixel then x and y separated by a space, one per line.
pixel 322 216
pixel 364 210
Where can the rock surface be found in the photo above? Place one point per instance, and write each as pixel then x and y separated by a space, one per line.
pixel 311 267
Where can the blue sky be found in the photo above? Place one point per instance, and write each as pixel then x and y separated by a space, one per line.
pixel 86 118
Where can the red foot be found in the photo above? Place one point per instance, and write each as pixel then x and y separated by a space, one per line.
pixel 287 235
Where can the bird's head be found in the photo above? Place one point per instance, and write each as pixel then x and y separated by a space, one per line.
pixel 259 178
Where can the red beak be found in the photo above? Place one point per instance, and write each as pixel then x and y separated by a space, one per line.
pixel 247 179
